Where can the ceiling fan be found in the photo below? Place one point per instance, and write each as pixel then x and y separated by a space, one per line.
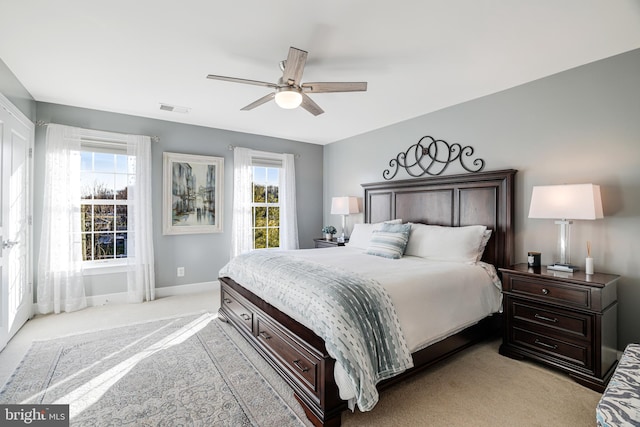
pixel 289 91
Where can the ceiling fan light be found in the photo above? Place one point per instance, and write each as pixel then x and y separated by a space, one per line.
pixel 288 98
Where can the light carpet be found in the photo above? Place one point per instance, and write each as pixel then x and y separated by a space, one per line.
pixel 478 387
pixel 198 371
pixel 189 370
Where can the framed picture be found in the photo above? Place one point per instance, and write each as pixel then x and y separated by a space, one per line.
pixel 192 194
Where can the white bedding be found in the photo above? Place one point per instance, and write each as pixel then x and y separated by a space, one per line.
pixel 433 299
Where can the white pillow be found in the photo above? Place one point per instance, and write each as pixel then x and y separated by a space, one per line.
pixel 483 243
pixel 434 242
pixel 361 233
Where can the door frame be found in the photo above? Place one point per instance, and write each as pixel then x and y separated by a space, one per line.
pixel 24 121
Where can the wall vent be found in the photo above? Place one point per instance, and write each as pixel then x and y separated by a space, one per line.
pixel 174 108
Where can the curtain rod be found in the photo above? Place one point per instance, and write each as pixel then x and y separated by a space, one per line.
pixel 232 147
pixel 154 138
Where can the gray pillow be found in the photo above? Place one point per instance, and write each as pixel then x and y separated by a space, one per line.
pixel 389 241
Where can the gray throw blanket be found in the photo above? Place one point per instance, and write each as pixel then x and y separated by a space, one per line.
pixel 352 314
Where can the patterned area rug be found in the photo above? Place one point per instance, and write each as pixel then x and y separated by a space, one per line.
pixel 189 371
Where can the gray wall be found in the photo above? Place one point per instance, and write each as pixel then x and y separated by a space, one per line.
pixel 579 126
pixel 582 125
pixel 11 87
pixel 202 255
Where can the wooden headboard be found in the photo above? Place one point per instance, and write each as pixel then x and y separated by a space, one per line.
pixel 483 198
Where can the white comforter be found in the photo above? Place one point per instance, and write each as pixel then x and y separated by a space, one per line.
pixel 433 299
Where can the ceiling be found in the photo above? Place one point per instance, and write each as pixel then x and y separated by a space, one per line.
pixel 418 56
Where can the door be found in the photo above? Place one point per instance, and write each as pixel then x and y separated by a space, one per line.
pixel 16 298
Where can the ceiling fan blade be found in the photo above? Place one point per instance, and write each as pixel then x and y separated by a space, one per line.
pixel 310 106
pixel 320 87
pixel 294 66
pixel 259 102
pixel 245 81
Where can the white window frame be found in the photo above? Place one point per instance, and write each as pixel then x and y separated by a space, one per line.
pixel 258 162
pixel 101 144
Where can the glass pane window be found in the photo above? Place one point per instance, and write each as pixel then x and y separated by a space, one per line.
pixel 121 217
pixel 104 179
pixel 259 216
pixel 266 207
pixel 104 245
pixel 103 217
pixel 259 184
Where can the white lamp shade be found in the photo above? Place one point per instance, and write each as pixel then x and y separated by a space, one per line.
pixel 576 201
pixel 344 205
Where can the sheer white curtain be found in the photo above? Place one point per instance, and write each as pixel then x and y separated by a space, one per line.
pixel 140 275
pixel 241 227
pixel 60 283
pixel 288 217
pixel 241 233
pixel 60 280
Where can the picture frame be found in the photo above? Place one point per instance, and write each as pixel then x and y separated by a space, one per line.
pixel 192 198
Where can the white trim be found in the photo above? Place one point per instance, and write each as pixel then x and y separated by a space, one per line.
pixel 16 113
pixel 117 298
pixel 100 267
pixel 167 291
pixel 25 311
pixel 191 288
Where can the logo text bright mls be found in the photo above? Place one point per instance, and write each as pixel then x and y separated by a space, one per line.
pixel 34 415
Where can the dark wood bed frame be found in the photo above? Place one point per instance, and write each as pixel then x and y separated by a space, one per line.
pixel 299 355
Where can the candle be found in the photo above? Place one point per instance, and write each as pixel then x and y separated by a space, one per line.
pixel 588 265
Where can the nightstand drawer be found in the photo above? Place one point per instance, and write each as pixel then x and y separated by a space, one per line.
pixel 545 317
pixel 551 292
pixel 568 321
pixel 576 354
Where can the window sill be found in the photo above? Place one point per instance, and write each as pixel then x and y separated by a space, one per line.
pixel 95 268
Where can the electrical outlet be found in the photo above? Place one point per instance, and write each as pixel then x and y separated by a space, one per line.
pixel 180 272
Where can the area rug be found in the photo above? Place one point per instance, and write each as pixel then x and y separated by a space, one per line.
pixel 190 371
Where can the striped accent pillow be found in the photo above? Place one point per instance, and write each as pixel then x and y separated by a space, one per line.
pixel 390 241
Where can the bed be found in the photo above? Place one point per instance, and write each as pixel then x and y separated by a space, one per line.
pixel 302 357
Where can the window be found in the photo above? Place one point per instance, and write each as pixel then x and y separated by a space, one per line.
pixel 266 207
pixel 96 216
pixel 264 204
pixel 104 178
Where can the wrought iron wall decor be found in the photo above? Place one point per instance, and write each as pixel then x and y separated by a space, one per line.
pixel 431 157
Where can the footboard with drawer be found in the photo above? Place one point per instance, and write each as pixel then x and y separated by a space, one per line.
pixel 297 353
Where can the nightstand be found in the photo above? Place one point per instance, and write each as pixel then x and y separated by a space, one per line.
pixel 564 320
pixel 333 243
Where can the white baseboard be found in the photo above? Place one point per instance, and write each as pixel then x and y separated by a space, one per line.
pixel 117 298
pixel 191 288
pixel 167 291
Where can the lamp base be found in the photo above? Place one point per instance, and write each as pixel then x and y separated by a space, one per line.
pixel 562 267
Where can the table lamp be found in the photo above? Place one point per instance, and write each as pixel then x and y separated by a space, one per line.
pixel 566 203
pixel 344 206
